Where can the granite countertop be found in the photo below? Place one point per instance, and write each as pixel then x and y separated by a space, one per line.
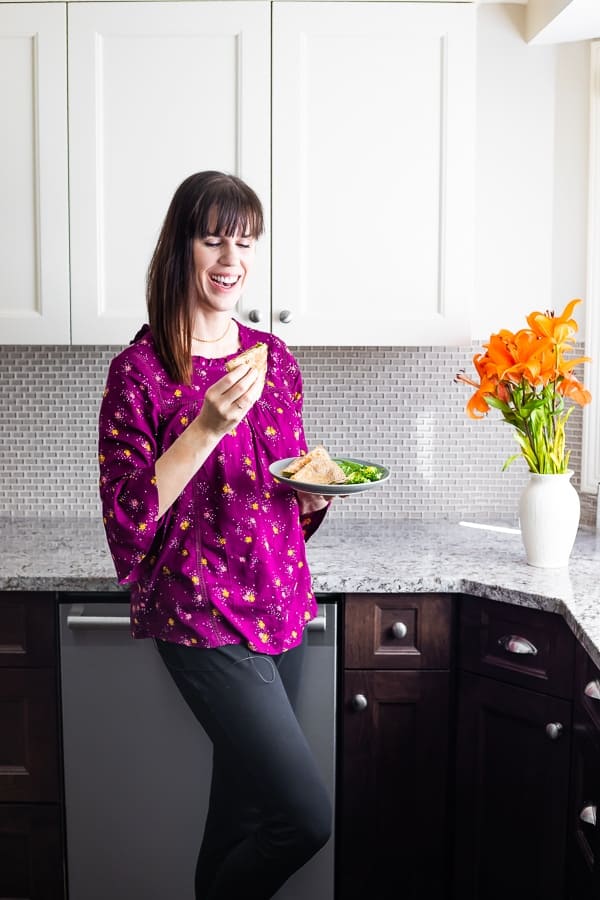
pixel 375 556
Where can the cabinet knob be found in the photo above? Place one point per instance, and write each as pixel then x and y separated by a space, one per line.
pixel 285 316
pixel 592 689
pixel 399 630
pixel 588 815
pixel 359 702
pixel 514 643
pixel 255 315
pixel 554 730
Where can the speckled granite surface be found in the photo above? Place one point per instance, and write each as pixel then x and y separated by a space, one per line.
pixel 364 556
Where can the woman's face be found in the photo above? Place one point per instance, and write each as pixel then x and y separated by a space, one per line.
pixel 221 266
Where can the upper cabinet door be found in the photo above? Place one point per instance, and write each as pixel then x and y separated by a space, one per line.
pixel 373 162
pixel 157 91
pixel 34 247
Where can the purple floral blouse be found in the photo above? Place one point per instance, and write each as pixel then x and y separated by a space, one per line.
pixel 226 564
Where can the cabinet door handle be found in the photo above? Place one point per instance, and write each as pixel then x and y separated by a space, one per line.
pixel 255 315
pixel 554 730
pixel 514 643
pixel 588 815
pixel 399 630
pixel 592 689
pixel 359 702
pixel 285 316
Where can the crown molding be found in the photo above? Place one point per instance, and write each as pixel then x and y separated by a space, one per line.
pixel 558 21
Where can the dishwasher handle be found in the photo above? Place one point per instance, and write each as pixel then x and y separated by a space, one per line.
pixel 78 621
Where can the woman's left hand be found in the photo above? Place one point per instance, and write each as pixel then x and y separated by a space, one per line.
pixel 310 503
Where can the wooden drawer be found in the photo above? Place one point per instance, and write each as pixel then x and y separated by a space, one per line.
pixel 586 689
pixel 27 629
pixel 529 647
pixel 29 760
pixel 397 631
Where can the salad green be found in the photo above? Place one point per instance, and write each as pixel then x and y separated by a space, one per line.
pixel 357 473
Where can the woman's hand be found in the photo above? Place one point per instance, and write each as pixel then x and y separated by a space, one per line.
pixel 225 404
pixel 310 503
pixel 228 400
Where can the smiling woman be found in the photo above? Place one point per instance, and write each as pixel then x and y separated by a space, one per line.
pixel 219 218
pixel 211 544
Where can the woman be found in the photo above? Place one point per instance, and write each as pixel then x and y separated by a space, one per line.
pixel 212 546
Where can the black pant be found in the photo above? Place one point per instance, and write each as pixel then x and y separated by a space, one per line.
pixel 269 809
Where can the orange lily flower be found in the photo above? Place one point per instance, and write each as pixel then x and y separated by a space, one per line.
pixel 560 329
pixel 527 372
pixel 499 357
pixel 565 367
pixel 477 407
pixel 573 389
pixel 534 359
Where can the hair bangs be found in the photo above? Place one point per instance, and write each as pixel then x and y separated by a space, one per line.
pixel 228 207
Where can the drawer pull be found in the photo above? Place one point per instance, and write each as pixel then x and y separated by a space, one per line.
pixel 514 643
pixel 588 815
pixel 399 630
pixel 592 689
pixel 359 702
pixel 554 730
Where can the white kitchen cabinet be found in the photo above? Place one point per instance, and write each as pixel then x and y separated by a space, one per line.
pixel 156 91
pixel 365 167
pixel 34 247
pixel 373 162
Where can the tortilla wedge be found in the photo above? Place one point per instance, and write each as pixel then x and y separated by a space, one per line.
pixel 316 467
pixel 255 356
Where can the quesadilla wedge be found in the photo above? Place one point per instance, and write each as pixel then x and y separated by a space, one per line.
pixel 296 464
pixel 255 356
pixel 316 467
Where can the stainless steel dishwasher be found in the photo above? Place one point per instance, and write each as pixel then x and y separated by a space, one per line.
pixel 137 763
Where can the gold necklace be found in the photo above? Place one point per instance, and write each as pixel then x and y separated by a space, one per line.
pixel 213 340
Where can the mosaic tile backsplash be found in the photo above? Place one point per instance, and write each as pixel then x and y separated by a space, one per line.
pixel 397 406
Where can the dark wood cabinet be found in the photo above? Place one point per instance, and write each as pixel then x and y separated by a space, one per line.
pixel 512 788
pixel 516 644
pixel 392 820
pixel 583 855
pixel 469 752
pixel 31 866
pixel 513 751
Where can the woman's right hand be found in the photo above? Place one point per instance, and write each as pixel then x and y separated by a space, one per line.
pixel 225 404
pixel 228 400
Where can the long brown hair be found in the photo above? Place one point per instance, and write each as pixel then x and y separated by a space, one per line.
pixel 231 206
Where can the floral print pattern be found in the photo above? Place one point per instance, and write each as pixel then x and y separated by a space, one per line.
pixel 226 563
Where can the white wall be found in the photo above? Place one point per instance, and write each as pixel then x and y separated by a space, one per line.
pixel 531 172
pixel 571 145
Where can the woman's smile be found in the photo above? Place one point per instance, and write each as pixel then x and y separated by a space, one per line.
pixel 225 281
pixel 221 265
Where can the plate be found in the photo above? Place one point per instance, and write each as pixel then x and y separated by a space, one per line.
pixel 328 490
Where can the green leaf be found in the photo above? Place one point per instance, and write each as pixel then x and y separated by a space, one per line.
pixel 510 461
pixel 498 404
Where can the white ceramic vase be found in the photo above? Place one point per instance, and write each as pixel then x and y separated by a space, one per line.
pixel 549 513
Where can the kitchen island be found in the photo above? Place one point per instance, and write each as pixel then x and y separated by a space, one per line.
pixel 375 556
